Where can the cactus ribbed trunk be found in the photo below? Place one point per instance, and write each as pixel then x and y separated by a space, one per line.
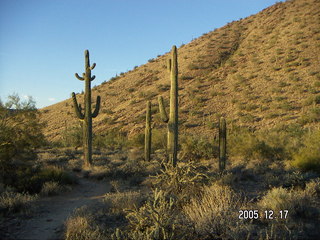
pixel 173 116
pixel 148 134
pixel 222 144
pixel 88 115
pixel 87 124
pixel 172 120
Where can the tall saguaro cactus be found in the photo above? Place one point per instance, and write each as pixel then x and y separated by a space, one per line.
pixel 87 115
pixel 172 120
pixel 148 133
pixel 222 144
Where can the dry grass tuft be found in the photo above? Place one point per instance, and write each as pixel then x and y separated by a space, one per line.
pixel 299 203
pixel 121 201
pixel 15 202
pixel 214 211
pixel 53 188
pixel 81 226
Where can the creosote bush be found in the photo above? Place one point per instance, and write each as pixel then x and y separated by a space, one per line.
pixel 113 139
pixel 195 147
pixel 72 137
pixel 308 156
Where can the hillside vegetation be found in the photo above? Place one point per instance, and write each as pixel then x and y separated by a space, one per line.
pixel 257 72
pixel 259 179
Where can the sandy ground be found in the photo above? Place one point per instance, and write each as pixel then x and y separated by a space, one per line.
pixel 51 212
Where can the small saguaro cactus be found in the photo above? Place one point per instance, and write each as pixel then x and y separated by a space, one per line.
pixel 148 133
pixel 87 116
pixel 222 144
pixel 172 120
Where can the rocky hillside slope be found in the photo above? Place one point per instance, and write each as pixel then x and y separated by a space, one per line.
pixel 257 72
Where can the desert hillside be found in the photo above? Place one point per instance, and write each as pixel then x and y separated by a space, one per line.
pixel 257 72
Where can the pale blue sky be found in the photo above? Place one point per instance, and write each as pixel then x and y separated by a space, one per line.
pixel 42 41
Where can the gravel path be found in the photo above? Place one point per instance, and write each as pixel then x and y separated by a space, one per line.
pixel 51 212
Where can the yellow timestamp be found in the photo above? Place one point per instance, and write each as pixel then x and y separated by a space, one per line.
pixel 267 214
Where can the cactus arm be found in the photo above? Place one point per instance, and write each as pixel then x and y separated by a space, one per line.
pixel 93 66
pixel 92 78
pixel 163 113
pixel 77 76
pixel 77 107
pixel 96 110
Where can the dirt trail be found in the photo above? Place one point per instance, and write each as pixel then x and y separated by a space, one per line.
pixel 51 212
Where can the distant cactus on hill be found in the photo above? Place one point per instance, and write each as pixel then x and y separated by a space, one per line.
pixel 148 133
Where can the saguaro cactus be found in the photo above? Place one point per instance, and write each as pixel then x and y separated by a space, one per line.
pixel 148 133
pixel 222 144
pixel 172 144
pixel 87 115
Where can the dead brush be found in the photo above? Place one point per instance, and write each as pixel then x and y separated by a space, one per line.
pixel 212 212
pixel 182 181
pixel 158 218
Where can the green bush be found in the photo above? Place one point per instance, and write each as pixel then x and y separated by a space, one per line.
pixel 113 139
pixel 20 134
pixel 72 137
pixel 249 145
pixel 195 147
pixel 20 128
pixel 308 156
pixel 138 140
pixel 159 139
pixel 31 180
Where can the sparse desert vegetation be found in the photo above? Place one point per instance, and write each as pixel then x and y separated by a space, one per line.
pixel 242 160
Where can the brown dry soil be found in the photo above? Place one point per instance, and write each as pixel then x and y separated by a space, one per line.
pixel 47 220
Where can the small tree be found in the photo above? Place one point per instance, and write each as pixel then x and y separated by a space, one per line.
pixel 20 132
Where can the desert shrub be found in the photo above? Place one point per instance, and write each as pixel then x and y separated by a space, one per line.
pixel 297 202
pixel 159 139
pixel 81 226
pixel 182 181
pixel 311 116
pixel 51 188
pixel 15 202
pixel 119 201
pixel 280 142
pixel 132 169
pixel 313 188
pixel 211 212
pixel 308 156
pixel 99 172
pixel 193 147
pixel 31 180
pixel 113 139
pixel 72 137
pixel 158 218
pixel 20 134
pixel 251 146
pixel 138 140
